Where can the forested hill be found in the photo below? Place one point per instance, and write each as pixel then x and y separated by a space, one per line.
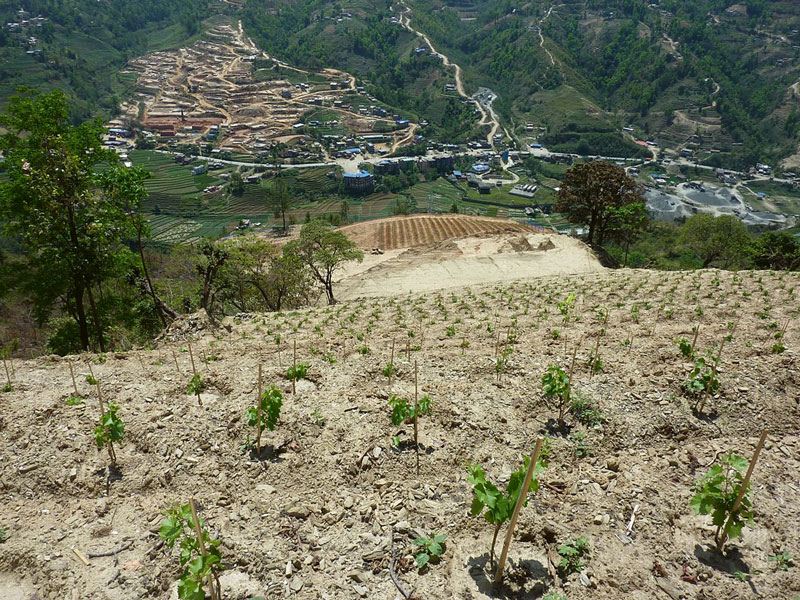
pixel 80 46
pixel 716 62
pixel 583 68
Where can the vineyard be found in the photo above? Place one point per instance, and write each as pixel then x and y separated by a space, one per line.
pixel 334 506
pixel 424 230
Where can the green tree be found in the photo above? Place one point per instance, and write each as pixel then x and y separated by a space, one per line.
pixel 776 250
pixel 723 240
pixel 236 184
pixel 626 223
pixel 280 198
pixel 590 191
pixel 51 200
pixel 325 251
pixel 257 276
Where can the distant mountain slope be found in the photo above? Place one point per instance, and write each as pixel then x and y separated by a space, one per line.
pixel 706 75
pixel 80 46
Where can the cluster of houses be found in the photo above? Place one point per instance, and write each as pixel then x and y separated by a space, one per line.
pixel 25 21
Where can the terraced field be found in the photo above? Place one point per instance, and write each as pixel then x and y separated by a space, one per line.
pixel 422 230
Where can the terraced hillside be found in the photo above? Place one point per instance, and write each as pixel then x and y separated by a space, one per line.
pixel 334 504
pixel 424 230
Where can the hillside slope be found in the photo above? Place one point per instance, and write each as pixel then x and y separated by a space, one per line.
pixel 333 500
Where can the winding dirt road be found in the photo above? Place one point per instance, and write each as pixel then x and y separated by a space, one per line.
pixel 488 117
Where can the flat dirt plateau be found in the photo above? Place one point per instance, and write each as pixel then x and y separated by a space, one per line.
pixel 333 500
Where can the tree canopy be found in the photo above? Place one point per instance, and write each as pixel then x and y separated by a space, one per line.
pixel 325 251
pixel 71 221
pixel 723 240
pixel 592 194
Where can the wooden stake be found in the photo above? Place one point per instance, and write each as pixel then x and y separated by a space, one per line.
pixel 175 358
pixel 742 490
pixel 191 356
pixel 391 365
pixel 8 377
pixel 111 454
pixel 201 543
pixel 258 421
pixel 694 341
pixel 515 515
pixel 72 374
pixel 294 366
pixel 416 415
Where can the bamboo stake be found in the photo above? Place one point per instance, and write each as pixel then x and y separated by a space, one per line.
pixel 408 349
pixel 416 415
pixel 191 356
pixel 111 454
pixel 515 515
pixel 694 341
pixel 294 366
pixel 72 374
pixel 201 543
pixel 8 377
pixel 742 490
pixel 391 365
pixel 258 418
pixel 175 358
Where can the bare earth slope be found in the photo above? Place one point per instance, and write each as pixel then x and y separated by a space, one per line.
pixel 315 518
pixel 435 252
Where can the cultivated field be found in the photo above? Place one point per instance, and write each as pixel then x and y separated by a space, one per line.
pixel 423 230
pixel 334 504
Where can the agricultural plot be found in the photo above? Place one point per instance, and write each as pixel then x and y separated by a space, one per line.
pixel 424 230
pixel 335 505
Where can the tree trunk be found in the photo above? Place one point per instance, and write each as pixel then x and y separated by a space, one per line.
pixel 80 313
pixel 96 319
pixel 146 273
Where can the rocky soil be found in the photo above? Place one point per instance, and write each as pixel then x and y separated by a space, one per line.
pixel 333 500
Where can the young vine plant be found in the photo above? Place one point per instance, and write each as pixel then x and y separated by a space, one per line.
pixel 499 505
pixel 109 430
pixel 200 564
pixel 271 402
pixel 716 492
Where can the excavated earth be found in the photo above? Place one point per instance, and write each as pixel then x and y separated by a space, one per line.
pixel 332 500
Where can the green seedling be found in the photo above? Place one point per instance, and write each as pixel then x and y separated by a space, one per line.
pixel 783 561
pixel 3 535
pixel 499 506
pixel 403 410
pixel 196 387
pixel 685 346
pixel 363 350
pixel 585 410
pixel 716 492
pixel 741 576
pixel 110 429
pixel 555 386
pixel 297 372
pixel 582 448
pixel 703 378
pixel 74 401
pixel 91 380
pixel 429 549
pixel 7 387
pixel 271 402
pixel 389 370
pixel 565 306
pixel 572 555
pixel 200 557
